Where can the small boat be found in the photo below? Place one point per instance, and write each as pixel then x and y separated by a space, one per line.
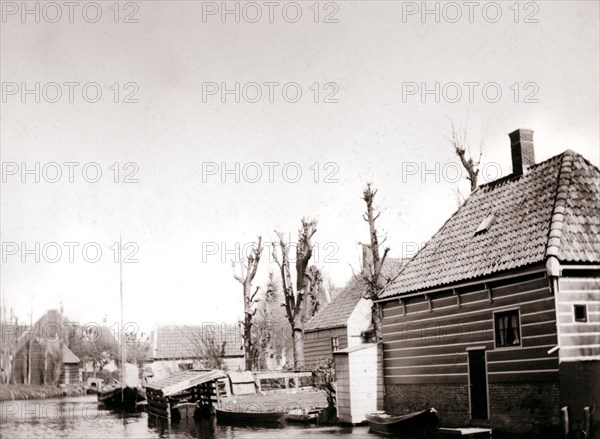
pixel 424 422
pixel 184 409
pixel 120 398
pixel 249 418
pixel 303 415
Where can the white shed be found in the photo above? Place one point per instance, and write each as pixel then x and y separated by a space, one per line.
pixel 358 392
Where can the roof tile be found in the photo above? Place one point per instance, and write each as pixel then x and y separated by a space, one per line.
pixel 186 341
pixel 337 312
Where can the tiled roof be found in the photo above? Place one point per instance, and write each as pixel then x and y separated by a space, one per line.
pixel 185 341
pixel 53 346
pixel 551 210
pixel 337 312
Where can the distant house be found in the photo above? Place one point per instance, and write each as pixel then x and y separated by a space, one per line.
pixel 346 320
pixel 495 321
pixel 181 347
pixel 38 360
pixel 41 354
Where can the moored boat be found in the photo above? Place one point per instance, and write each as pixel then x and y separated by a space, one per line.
pixel 249 418
pixel 184 409
pixel 424 422
pixel 120 398
pixel 303 415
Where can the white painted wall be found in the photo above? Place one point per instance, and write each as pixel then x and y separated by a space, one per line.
pixel 359 321
pixel 363 383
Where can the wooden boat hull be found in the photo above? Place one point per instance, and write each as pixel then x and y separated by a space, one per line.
pixel 118 398
pixel 184 410
pixel 250 418
pixel 423 423
pixel 303 416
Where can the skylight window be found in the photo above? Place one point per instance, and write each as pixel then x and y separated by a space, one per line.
pixel 485 225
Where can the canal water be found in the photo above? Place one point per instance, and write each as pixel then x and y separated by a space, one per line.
pixel 79 417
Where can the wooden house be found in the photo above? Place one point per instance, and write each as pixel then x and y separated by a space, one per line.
pixel 41 352
pixel 182 347
pixel 346 320
pixel 39 361
pixel 496 320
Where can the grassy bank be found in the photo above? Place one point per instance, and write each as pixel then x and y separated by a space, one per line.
pixel 11 392
pixel 277 400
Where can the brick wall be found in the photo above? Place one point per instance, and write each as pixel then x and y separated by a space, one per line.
pixel 450 400
pixel 580 387
pixel 514 407
pixel 525 407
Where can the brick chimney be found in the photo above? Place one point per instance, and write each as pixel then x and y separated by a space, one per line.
pixel 521 146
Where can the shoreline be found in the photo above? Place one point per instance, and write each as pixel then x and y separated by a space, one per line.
pixel 16 392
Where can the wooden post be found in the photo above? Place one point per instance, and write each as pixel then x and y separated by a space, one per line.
pixel 287 383
pixel 296 382
pixel 218 396
pixel 587 421
pixel 564 415
pixel 258 383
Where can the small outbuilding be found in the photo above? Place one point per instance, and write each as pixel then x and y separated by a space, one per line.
pixel 190 386
pixel 358 392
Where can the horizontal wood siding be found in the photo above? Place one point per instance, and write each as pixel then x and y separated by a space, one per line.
pixel 343 391
pixel 430 346
pixel 579 341
pixel 317 344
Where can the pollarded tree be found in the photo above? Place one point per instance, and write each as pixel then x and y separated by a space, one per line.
pixel 460 144
pixel 245 277
pixel 295 299
pixel 372 275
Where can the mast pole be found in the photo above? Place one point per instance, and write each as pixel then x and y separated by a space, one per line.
pixel 122 331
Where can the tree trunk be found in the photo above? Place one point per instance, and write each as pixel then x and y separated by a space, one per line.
pixel 245 278
pixel 377 322
pixel 298 349
pixel 29 352
pixel 248 341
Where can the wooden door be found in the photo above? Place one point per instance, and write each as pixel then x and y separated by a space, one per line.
pixel 478 396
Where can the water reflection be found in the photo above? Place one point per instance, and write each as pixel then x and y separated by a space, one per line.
pixel 81 418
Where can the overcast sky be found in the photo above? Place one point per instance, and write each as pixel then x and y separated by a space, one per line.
pixel 370 61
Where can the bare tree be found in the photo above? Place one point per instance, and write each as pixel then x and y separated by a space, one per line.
pixel 372 275
pixel 96 344
pixel 263 349
pixel 245 277
pixel 460 144
pixel 294 301
pixel 205 346
pixel 316 293
pixel 9 325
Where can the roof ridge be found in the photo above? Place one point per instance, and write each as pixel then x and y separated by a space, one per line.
pixel 557 216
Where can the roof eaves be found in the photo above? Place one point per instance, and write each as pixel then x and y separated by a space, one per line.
pixel 326 327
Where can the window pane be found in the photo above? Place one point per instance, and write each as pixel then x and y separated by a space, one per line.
pixel 507 328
